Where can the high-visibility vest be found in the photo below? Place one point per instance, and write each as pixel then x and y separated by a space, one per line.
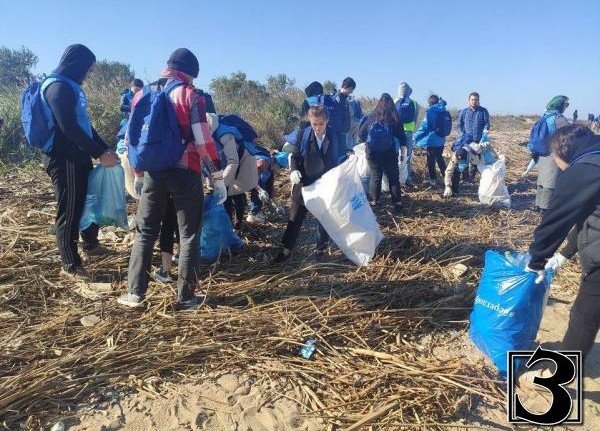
pixel 410 127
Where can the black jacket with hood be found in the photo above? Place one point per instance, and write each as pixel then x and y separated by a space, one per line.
pixel 70 140
pixel 575 206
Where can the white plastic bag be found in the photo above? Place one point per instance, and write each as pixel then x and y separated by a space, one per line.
pixel 362 165
pixel 402 170
pixel 339 202
pixel 492 188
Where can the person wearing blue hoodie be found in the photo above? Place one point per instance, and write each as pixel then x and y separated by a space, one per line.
pixel 547 168
pixel 426 137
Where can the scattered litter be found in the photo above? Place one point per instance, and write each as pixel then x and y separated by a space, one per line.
pixel 309 348
pixel 58 426
pixel 459 270
pixel 90 320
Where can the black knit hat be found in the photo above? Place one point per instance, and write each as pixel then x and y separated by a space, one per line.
pixel 183 60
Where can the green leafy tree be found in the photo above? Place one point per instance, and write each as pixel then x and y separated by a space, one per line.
pixel 15 66
pixel 329 87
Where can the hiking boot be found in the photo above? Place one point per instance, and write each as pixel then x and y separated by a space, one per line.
pixel 282 258
pixel 97 251
pixel 256 218
pixel 189 305
pixel 131 300
pixel 79 273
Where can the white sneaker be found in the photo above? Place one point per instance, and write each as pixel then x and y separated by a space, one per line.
pixel 131 300
pixel 256 218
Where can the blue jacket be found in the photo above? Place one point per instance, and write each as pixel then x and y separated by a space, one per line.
pixel 473 121
pixel 425 137
pixel 126 98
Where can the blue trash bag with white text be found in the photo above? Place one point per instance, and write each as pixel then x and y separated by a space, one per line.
pixel 508 306
pixel 217 235
pixel 105 200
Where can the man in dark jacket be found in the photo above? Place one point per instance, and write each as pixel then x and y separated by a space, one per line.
pixel 348 86
pixel 575 208
pixel 69 161
pixel 317 151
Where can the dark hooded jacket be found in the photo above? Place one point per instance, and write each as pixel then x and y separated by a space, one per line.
pixel 575 208
pixel 315 88
pixel 70 140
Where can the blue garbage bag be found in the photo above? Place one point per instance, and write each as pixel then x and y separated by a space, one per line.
pixel 105 199
pixel 217 234
pixel 508 306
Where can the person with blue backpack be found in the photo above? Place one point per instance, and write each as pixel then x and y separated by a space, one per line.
pixel 317 151
pixel 431 135
pixel 170 143
pixel 383 133
pixel 408 110
pixel 127 95
pixel 574 215
pixel 239 165
pixel 56 121
pixel 541 153
pixel 338 112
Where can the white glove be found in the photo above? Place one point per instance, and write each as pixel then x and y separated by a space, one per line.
pixel 556 262
pixel 138 184
pixel 484 145
pixel 263 195
pixel 477 148
pixel 295 177
pixel 219 186
pixel 540 274
pixel 447 192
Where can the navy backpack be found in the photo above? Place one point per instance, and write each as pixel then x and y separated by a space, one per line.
pixel 155 141
pixel 380 138
pixel 440 123
pixel 407 111
pixel 36 118
pixel 332 106
pixel 239 123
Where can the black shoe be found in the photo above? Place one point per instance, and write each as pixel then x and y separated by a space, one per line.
pixel 397 208
pixel 281 258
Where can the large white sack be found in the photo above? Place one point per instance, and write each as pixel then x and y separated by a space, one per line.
pixel 492 188
pixel 339 202
pixel 402 170
pixel 362 165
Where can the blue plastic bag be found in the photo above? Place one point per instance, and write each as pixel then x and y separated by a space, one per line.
pixel 508 307
pixel 105 200
pixel 217 234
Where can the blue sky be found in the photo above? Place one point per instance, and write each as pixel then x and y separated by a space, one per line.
pixel 517 54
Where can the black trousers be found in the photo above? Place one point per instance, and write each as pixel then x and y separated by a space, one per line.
pixel 297 215
pixel 236 207
pixel 380 163
pixel 584 321
pixel 70 181
pixel 169 231
pixel 185 188
pixel 435 155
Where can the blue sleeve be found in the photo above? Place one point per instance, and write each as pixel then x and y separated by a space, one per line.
pixel 461 123
pixel 422 130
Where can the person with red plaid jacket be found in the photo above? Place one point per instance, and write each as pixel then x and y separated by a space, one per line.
pixel 183 184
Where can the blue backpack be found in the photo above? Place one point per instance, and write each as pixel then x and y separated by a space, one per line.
pixel 406 109
pixel 245 129
pixel 332 106
pixel 36 118
pixel 155 141
pixel 380 138
pixel 540 132
pixel 440 123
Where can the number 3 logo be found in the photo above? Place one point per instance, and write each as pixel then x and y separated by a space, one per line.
pixel 564 374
